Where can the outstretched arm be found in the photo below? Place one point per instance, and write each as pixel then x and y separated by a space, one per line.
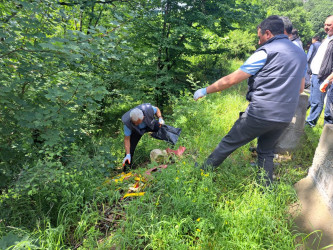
pixel 223 83
pixel 228 81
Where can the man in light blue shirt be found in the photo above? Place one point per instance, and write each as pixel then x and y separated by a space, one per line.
pixel 275 74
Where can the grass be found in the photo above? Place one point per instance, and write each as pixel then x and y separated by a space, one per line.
pixel 183 207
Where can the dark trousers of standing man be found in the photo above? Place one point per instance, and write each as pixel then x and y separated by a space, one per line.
pixel 134 140
pixel 328 116
pixel 316 101
pixel 245 129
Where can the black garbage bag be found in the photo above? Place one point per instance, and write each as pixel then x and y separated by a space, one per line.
pixel 167 133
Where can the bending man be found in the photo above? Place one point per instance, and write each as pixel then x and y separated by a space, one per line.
pixel 138 121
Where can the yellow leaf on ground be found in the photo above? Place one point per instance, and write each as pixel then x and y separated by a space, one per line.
pixel 121 177
pixel 134 194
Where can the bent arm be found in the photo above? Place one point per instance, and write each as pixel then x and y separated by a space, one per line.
pixel 228 81
pixel 158 112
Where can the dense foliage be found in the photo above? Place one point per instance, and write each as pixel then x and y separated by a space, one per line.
pixel 70 68
pixel 63 64
pixel 318 11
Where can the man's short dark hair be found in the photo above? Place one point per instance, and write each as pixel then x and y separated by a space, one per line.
pixel 288 26
pixel 317 38
pixel 294 32
pixel 272 23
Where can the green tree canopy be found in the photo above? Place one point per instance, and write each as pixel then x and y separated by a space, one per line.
pixel 318 11
pixel 294 10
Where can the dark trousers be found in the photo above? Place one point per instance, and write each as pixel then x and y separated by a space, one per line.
pixel 245 129
pixel 316 101
pixel 328 115
pixel 135 138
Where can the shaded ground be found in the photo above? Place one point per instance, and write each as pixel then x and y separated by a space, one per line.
pixel 312 216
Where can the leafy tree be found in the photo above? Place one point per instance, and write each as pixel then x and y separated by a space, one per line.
pixel 241 43
pixel 318 11
pixel 50 88
pixel 294 10
pixel 166 33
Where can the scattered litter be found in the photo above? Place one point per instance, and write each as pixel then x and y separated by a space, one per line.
pixel 119 178
pixel 133 194
pixel 178 152
pixel 157 155
pixel 134 189
pixel 123 176
pixel 148 172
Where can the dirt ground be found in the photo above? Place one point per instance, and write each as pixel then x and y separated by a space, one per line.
pixel 312 216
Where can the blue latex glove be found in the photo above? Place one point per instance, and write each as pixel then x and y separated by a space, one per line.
pixel 200 93
pixel 127 158
pixel 161 121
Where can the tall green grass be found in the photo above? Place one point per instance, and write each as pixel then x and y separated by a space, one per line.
pixel 183 207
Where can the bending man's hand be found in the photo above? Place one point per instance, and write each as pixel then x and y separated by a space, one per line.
pixel 127 159
pixel 161 121
pixel 324 85
pixel 199 93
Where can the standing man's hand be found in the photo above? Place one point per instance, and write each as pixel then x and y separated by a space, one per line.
pixel 324 85
pixel 127 159
pixel 200 93
pixel 161 121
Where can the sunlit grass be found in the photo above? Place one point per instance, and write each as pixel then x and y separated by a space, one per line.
pixel 183 207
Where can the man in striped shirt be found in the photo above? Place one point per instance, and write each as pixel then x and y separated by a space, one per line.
pixel 275 74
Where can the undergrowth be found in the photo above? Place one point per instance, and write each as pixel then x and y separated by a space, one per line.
pixel 79 206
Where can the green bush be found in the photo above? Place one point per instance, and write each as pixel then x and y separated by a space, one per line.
pixel 241 44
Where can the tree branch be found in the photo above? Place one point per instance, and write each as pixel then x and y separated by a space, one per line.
pixel 101 2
